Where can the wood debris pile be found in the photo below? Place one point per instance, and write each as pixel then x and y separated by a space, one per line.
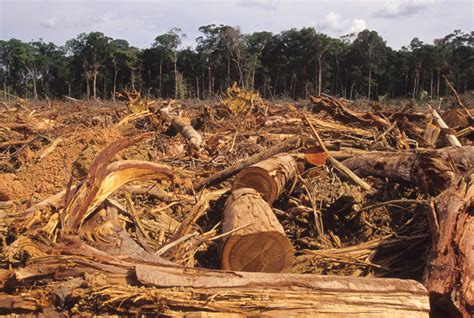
pixel 172 207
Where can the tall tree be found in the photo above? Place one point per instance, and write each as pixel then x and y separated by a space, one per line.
pixel 371 47
pixel 169 43
pixel 92 49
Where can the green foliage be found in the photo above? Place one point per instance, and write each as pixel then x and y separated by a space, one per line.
pixel 293 63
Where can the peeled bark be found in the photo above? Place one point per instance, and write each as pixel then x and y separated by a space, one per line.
pixel 268 177
pixel 258 243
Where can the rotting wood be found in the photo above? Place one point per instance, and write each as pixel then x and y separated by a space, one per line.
pixel 261 244
pixel 268 177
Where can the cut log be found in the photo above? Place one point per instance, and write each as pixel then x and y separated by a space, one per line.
pixel 258 242
pixel 268 177
pixel 287 145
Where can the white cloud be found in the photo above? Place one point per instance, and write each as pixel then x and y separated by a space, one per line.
pixel 49 23
pixel 358 25
pixel 401 8
pixel 334 22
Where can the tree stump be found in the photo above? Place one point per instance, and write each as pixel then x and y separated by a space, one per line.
pixel 260 245
pixel 268 177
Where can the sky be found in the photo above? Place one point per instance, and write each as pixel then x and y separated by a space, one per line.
pixel 140 21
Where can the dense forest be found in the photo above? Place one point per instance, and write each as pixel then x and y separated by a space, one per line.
pixel 293 63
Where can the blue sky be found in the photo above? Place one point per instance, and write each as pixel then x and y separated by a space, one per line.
pixel 140 21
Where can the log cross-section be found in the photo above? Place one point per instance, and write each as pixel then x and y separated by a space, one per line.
pixel 258 242
pixel 268 177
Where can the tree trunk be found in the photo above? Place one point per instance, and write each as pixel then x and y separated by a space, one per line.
pixel 132 78
pixel 253 73
pixel 438 83
pixel 160 88
pixel 228 69
pixel 260 244
pixel 175 62
pixel 268 177
pixel 431 83
pixel 88 88
pixel 33 77
pixel 197 88
pixel 319 75
pixel 370 83
pixel 104 89
pixel 94 85
pixel 276 80
pixel 209 73
pixel 115 83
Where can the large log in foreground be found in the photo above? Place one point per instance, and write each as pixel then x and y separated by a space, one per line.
pixel 450 271
pixel 293 295
pixel 126 285
pixel 268 177
pixel 258 243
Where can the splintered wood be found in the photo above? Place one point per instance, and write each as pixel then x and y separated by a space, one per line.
pixel 237 208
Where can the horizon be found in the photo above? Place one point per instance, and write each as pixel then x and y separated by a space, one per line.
pixel 140 22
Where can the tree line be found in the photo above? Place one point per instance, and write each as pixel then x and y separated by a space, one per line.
pixel 293 63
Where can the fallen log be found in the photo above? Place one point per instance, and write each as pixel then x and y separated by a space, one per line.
pixel 287 294
pixel 258 242
pixel 183 126
pixel 268 177
pixel 411 166
pixel 156 288
pixel 287 145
